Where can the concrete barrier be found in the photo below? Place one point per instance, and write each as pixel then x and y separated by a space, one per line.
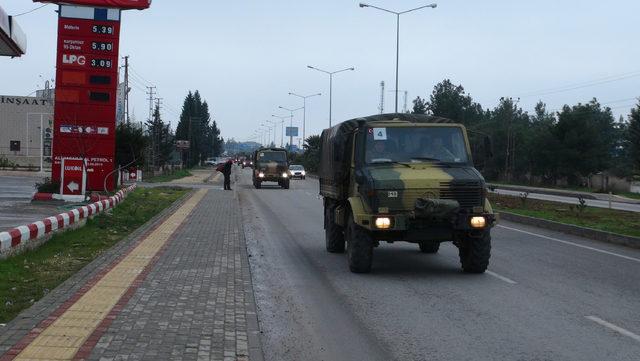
pixel 31 235
pixel 585 232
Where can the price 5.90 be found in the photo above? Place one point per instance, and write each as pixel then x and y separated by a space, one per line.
pixel 101 46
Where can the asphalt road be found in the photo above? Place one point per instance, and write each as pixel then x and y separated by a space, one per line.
pixel 573 200
pixel 16 208
pixel 548 296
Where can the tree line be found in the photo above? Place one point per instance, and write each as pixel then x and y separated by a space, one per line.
pixel 154 144
pixel 544 147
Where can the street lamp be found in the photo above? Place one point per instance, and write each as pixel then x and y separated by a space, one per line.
pixel 271 124
pixel 397 14
pixel 330 84
pixel 291 126
pixel 282 118
pixel 304 111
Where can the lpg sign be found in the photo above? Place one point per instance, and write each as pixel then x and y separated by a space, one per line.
pixel 74 59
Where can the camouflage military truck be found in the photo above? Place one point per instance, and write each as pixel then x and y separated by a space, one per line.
pixel 271 165
pixel 403 177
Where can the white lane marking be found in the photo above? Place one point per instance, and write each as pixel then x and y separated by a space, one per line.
pixel 573 244
pixel 613 327
pixel 502 278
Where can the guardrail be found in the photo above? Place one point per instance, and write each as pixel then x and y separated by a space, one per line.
pixel 18 238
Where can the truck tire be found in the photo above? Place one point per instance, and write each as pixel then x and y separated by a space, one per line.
pixel 359 248
pixel 257 184
pixel 429 246
pixel 334 234
pixel 475 252
pixel 286 184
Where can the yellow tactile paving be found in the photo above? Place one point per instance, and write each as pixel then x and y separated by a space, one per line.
pixel 64 337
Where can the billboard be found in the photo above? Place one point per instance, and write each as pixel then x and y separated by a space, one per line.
pixel 292 131
pixel 85 101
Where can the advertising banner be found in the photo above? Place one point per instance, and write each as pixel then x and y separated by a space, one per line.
pixel 74 177
pixel 291 131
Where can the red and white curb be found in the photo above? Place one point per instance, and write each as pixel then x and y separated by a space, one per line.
pixel 19 236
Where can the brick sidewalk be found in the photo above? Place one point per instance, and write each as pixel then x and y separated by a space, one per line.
pixel 192 301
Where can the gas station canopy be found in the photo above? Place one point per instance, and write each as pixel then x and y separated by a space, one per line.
pixel 119 4
pixel 13 41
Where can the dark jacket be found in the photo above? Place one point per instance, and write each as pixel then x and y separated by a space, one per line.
pixel 226 170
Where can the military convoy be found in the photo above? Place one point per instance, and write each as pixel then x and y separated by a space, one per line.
pixel 403 177
pixel 271 165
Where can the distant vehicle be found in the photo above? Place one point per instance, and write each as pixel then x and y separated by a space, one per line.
pixel 247 163
pixel 403 177
pixel 297 171
pixel 271 165
pixel 211 161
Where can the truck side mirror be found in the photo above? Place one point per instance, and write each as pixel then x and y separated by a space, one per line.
pixel 488 148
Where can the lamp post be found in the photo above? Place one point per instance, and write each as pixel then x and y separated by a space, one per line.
pixel 290 126
pixel 330 84
pixel 273 124
pixel 304 111
pixel 397 14
pixel 282 118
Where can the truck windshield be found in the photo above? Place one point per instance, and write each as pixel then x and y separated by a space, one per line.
pixel 279 157
pixel 412 144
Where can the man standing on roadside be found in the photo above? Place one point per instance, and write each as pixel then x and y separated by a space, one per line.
pixel 226 172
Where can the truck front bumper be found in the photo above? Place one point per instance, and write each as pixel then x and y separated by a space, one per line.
pixel 406 227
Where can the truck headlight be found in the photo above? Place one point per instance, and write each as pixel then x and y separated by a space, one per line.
pixel 260 175
pixel 383 222
pixel 304 173
pixel 285 175
pixel 478 222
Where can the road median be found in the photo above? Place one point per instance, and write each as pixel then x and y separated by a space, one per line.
pixel 606 225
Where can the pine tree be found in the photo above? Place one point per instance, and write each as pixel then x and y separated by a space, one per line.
pixel 633 135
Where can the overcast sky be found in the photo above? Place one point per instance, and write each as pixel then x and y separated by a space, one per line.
pixel 245 56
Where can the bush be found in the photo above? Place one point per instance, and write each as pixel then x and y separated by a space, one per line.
pixel 48 186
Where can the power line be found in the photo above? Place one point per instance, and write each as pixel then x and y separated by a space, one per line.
pixel 586 84
pixel 30 11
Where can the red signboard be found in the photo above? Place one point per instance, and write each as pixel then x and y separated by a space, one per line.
pixel 85 101
pixel 120 4
pixel 73 179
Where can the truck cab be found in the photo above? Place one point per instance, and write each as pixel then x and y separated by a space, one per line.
pixel 402 177
pixel 271 165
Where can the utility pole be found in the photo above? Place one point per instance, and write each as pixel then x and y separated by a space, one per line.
pixel 406 96
pixel 126 89
pixel 381 107
pixel 150 93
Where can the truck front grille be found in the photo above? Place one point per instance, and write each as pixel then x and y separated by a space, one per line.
pixel 468 195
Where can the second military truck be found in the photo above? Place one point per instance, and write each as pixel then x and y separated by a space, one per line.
pixel 403 177
pixel 271 165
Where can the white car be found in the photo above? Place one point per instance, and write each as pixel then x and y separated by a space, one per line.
pixel 297 171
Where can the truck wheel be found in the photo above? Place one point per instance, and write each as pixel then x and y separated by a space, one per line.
pixel 359 248
pixel 257 185
pixel 285 184
pixel 429 246
pixel 334 234
pixel 475 252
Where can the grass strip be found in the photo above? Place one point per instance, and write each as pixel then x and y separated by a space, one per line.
pixel 182 173
pixel 608 220
pixel 27 277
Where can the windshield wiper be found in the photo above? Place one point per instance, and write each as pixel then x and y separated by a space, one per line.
pixel 427 159
pixel 391 162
